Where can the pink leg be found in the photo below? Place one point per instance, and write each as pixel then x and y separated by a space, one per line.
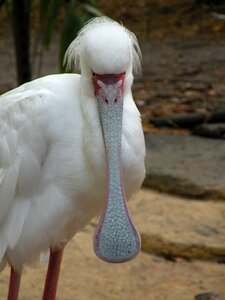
pixel 14 285
pixel 52 274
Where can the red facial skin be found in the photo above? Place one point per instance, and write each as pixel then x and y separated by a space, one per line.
pixel 107 79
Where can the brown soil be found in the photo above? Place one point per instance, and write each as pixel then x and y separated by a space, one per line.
pixel 149 277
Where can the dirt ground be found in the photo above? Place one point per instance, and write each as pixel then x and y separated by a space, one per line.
pixel 147 277
pixel 183 48
pixel 181 77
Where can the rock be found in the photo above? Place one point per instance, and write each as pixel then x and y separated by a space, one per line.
pixel 179 120
pixel 186 165
pixel 207 296
pixel 193 95
pixel 194 86
pixel 217 117
pixel 177 227
pixel 216 130
pixel 190 71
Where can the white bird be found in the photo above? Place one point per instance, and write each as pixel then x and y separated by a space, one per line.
pixel 71 145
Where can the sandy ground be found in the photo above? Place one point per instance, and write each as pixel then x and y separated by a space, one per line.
pixel 149 277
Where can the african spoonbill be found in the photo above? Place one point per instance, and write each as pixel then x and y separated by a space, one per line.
pixel 72 146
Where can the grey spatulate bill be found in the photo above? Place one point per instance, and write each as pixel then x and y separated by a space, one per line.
pixel 116 238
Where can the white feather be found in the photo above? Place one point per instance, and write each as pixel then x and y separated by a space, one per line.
pixel 111 29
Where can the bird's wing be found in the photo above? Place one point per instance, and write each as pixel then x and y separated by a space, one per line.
pixel 22 151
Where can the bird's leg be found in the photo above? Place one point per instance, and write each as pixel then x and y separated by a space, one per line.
pixel 14 285
pixel 52 274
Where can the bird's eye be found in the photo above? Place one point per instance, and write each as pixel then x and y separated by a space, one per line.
pixel 93 74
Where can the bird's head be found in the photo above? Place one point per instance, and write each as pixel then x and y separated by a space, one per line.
pixel 104 47
pixel 108 55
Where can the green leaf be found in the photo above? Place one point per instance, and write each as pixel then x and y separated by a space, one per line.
pixel 49 14
pixel 44 6
pixel 72 24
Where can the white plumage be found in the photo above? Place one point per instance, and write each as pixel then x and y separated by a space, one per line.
pixel 52 154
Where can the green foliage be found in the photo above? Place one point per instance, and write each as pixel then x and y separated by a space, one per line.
pixel 74 14
pixel 67 16
pixel 49 12
pixel 72 24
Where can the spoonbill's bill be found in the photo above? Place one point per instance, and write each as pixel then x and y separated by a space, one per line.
pixel 72 146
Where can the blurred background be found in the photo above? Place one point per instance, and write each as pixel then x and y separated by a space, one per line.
pixel 181 96
pixel 182 45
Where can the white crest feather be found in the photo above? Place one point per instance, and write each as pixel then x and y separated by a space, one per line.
pixel 72 56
